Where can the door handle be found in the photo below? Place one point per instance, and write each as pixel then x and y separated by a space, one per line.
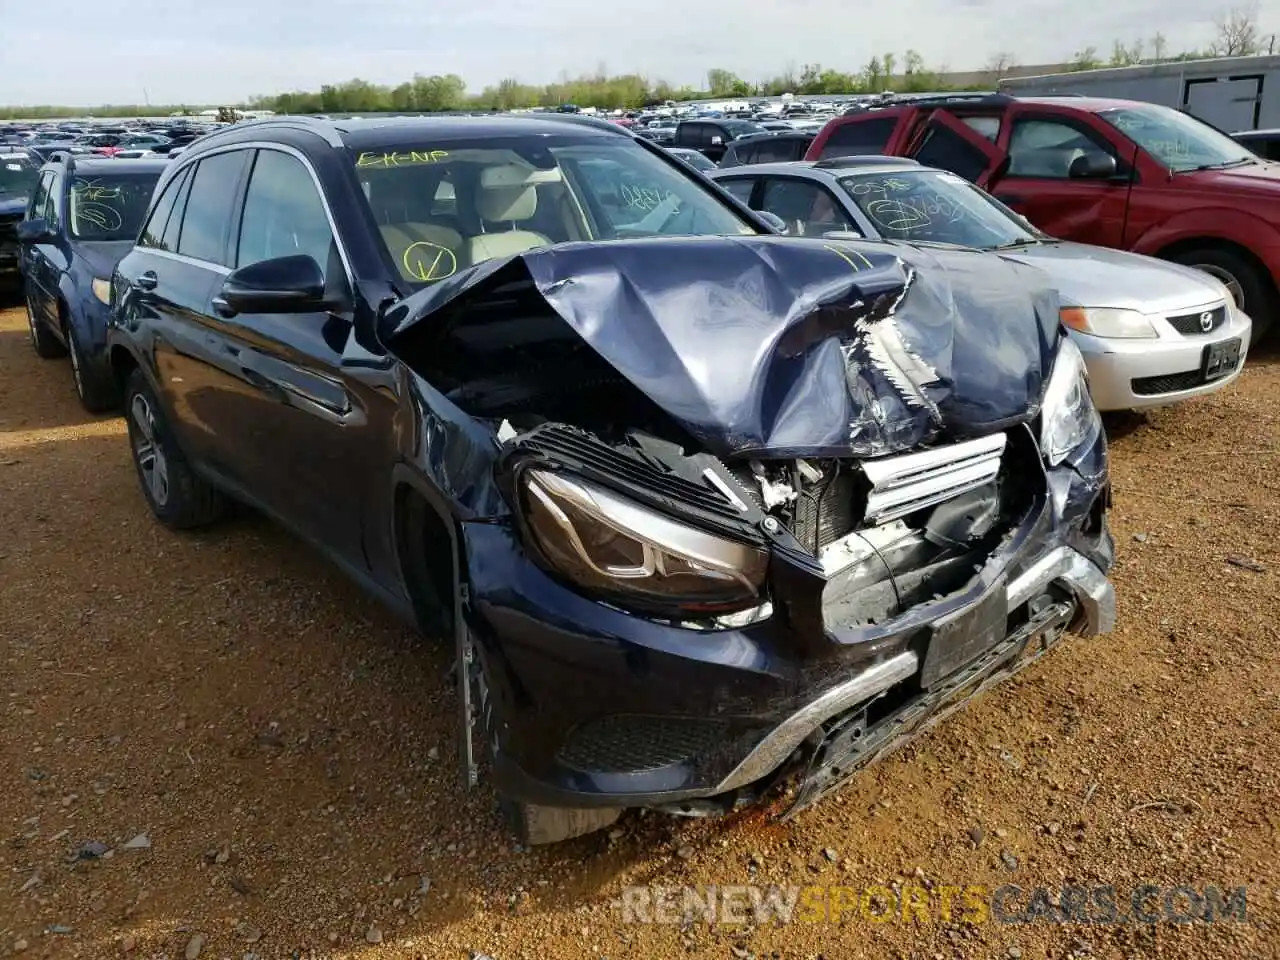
pixel 145 281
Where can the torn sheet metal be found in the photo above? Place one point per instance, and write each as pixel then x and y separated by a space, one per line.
pixel 784 347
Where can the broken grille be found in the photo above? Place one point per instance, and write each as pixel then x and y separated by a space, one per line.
pixel 905 484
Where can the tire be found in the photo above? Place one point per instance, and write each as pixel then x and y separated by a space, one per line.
pixel 176 495
pixel 97 393
pixel 1249 286
pixel 534 824
pixel 42 339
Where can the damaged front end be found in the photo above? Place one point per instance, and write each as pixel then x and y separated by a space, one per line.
pixel 767 507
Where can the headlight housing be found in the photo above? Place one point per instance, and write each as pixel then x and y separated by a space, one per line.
pixel 1068 417
pixel 1109 322
pixel 102 290
pixel 610 545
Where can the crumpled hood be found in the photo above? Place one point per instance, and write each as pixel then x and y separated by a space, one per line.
pixel 1089 276
pixel 784 347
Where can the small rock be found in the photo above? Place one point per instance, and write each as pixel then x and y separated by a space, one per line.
pixel 433 753
pixel 373 935
pixel 741 952
pixel 140 842
pixel 685 852
pixel 194 946
pixel 1245 563
pixel 241 886
pixel 222 856
pixel 1140 537
pixel 1009 860
pixel 59 928
pixel 976 835
pixel 69 799
pixel 91 850
pixel 332 936
pixel 248 932
pixel 1015 953
pixel 831 854
pixel 19 945
pixel 1052 828
pixel 129 943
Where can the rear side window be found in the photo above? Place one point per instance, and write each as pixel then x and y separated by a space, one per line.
pixel 781 150
pixel 740 188
pixel 153 233
pixel 209 205
pixel 740 154
pixel 860 137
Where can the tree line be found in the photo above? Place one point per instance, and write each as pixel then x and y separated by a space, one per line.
pixel 1237 33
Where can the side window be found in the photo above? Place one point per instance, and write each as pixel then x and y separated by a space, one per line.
pixel 174 227
pixel 807 208
pixel 209 204
pixel 860 137
pixel 153 233
pixel 41 197
pixel 283 213
pixel 51 203
pixel 988 127
pixel 740 188
pixel 942 147
pixel 1046 148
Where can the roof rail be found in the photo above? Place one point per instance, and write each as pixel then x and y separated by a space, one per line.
pixel 583 120
pixel 985 99
pixel 863 160
pixel 322 128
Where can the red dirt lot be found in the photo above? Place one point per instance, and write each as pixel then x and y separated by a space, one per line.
pixel 280 751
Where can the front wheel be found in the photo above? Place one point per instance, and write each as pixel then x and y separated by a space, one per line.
pixel 176 495
pixel 97 393
pixel 1248 286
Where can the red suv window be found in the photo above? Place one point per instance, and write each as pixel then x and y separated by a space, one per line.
pixel 859 136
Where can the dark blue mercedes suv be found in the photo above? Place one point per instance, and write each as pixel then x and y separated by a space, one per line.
pixel 83 216
pixel 706 512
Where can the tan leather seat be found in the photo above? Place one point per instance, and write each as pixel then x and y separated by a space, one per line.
pixel 499 200
pixel 424 252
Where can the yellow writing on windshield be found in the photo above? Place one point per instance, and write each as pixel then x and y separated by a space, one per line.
pixel 429 262
pixel 406 159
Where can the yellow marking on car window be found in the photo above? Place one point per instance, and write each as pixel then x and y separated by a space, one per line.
pixel 409 158
pixel 429 262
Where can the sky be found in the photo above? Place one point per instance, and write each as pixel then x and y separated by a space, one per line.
pixel 91 52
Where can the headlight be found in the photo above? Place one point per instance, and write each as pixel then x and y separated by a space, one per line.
pixel 102 290
pixel 1108 322
pixel 1068 417
pixel 610 545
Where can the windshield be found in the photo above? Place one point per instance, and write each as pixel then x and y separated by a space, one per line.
pixel 933 206
pixel 742 128
pixel 443 207
pixel 1176 139
pixel 109 207
pixel 18 176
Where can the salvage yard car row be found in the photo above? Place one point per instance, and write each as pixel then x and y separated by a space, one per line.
pixel 708 514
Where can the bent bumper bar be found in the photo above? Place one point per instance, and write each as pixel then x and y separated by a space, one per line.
pixel 1096 606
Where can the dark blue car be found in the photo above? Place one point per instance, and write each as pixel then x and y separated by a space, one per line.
pixel 18 175
pixel 83 216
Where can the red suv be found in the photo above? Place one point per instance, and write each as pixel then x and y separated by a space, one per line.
pixel 1117 173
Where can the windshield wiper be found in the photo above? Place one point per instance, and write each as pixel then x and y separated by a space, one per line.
pixel 1014 244
pixel 1226 163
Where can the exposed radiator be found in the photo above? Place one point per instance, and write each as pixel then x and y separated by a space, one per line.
pixel 905 484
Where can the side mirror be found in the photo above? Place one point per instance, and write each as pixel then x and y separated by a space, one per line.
pixel 292 284
pixel 773 220
pixel 843 235
pixel 1092 166
pixel 35 231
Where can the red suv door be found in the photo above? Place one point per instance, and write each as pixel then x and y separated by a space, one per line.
pixel 1044 181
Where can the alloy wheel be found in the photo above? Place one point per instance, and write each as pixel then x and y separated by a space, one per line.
pixel 75 364
pixel 148 452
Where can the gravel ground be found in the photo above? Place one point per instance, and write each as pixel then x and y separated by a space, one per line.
pixel 215 746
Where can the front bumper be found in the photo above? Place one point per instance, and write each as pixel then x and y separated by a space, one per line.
pixel 1140 374
pixel 598 707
